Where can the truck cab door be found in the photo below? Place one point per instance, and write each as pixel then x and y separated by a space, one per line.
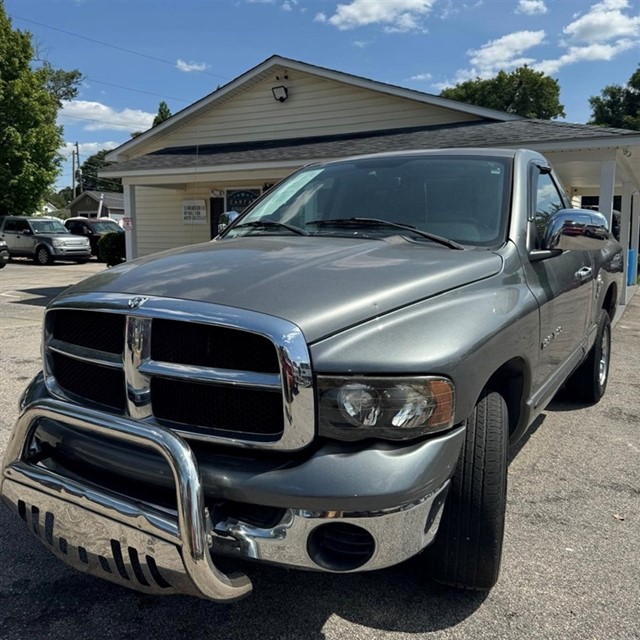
pixel 563 284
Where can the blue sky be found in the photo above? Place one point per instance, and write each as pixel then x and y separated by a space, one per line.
pixel 179 51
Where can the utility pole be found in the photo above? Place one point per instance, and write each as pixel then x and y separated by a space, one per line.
pixel 73 172
pixel 77 173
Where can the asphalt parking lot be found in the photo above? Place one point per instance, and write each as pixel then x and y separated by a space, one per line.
pixel 571 567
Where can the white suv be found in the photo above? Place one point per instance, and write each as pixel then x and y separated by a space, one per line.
pixel 43 239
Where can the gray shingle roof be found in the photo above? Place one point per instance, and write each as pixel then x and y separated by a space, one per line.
pixel 112 199
pixel 493 134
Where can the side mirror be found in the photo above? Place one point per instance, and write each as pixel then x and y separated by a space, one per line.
pixel 226 219
pixel 27 232
pixel 577 229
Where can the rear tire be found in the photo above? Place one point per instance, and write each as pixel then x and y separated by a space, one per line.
pixel 467 550
pixel 589 382
pixel 43 256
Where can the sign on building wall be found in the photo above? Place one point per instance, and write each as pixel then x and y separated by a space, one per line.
pixel 239 199
pixel 194 212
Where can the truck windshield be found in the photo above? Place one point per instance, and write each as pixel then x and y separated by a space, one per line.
pixel 463 198
pixel 104 226
pixel 48 226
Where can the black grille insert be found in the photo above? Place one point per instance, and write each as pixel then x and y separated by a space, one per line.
pixel 228 409
pixel 103 385
pixel 210 346
pixel 91 329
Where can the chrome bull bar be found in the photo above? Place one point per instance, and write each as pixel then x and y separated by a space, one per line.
pixel 110 536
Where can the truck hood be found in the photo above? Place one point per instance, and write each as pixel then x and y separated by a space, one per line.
pixel 322 284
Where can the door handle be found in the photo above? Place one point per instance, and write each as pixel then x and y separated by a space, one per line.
pixel 583 273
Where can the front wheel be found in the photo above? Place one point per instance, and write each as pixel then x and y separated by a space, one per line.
pixel 43 256
pixel 589 381
pixel 467 550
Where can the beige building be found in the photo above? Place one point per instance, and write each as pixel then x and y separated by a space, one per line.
pixel 221 152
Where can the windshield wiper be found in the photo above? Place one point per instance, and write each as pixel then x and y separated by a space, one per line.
pixel 377 222
pixel 266 224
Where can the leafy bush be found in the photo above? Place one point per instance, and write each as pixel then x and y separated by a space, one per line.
pixel 112 249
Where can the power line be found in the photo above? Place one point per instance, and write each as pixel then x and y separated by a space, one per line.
pixel 113 46
pixel 150 93
pixel 62 114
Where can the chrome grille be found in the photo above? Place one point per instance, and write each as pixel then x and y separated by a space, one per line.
pixel 208 372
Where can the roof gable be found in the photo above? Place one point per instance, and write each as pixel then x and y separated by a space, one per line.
pixel 278 70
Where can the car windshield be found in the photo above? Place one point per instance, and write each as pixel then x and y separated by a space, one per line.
pixel 48 226
pixel 455 197
pixel 104 226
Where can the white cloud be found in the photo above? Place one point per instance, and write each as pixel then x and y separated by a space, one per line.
pixel 361 44
pixel 396 16
pixel 420 77
pixel 87 148
pixel 504 53
pixel 604 21
pixel 98 116
pixel 187 67
pixel 288 5
pixel 602 33
pixel 531 7
pixel 591 53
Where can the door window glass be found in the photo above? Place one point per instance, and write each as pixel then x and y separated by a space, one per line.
pixel 548 201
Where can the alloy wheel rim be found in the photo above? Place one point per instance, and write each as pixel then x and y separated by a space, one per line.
pixel 603 368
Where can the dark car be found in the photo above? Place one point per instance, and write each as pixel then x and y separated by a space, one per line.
pixel 94 229
pixel 4 254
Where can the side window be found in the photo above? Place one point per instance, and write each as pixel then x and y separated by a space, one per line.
pixel 10 225
pixel 21 225
pixel 547 201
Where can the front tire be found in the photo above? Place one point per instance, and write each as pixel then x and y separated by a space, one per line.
pixel 467 550
pixel 589 382
pixel 43 256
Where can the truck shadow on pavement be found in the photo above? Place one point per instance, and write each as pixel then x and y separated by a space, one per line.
pixel 44 295
pixel 41 594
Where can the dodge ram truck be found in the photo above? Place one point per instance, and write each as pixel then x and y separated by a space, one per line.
pixel 331 384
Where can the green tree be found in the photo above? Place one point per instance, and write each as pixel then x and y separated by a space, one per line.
pixel 29 137
pixel 55 199
pixel 163 114
pixel 65 195
pixel 617 105
pixel 523 92
pixel 91 181
pixel 61 84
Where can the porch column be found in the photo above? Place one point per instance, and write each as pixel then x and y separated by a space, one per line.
pixel 635 236
pixel 625 235
pixel 607 184
pixel 131 234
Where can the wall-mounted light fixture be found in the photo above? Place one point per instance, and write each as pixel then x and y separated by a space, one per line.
pixel 280 93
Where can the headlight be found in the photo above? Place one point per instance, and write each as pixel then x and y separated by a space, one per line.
pixel 391 408
pixel 57 242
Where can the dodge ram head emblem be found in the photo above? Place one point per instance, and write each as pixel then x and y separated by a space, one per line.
pixel 135 303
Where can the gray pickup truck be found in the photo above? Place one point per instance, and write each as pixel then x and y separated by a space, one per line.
pixel 331 384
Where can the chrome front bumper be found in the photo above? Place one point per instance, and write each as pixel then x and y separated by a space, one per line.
pixel 161 551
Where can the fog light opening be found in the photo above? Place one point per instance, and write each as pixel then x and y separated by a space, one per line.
pixel 340 546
